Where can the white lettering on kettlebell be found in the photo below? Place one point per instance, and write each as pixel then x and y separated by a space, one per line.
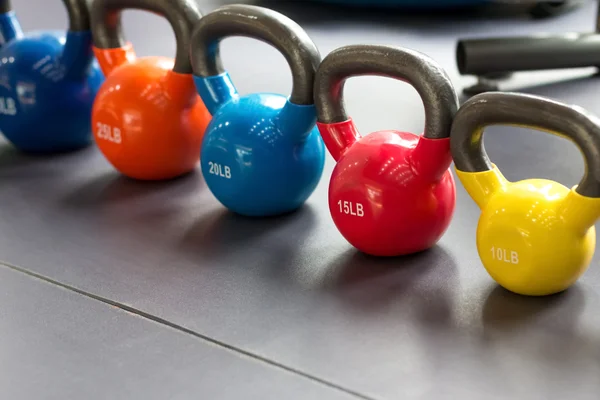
pixel 107 132
pixel 350 208
pixel 507 256
pixel 220 170
pixel 8 106
pixel 50 68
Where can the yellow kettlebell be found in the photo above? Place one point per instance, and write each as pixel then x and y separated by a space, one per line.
pixel 535 237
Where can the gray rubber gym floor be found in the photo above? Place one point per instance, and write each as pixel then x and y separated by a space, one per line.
pixel 116 289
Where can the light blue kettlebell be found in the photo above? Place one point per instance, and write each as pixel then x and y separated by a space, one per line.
pixel 261 154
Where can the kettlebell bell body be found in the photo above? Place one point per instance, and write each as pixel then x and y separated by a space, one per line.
pixel 48 81
pixel 535 236
pixel 148 117
pixel 261 154
pixel 391 193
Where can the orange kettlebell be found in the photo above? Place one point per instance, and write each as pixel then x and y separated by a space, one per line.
pixel 148 119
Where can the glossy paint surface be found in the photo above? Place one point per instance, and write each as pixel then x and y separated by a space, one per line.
pixel 535 237
pixel 48 82
pixel 261 155
pixel 148 120
pixel 433 326
pixel 10 28
pixel 391 192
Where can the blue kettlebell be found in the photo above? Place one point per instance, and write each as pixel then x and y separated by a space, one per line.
pixel 261 153
pixel 48 83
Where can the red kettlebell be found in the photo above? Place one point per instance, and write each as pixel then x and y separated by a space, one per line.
pixel 391 193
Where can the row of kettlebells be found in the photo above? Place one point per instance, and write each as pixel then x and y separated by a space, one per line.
pixel 391 193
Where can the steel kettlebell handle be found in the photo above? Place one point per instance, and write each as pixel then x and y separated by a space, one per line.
pixel 77 10
pixel 5 6
pixel 262 24
pixel 79 15
pixel 421 72
pixel 533 112
pixel 181 14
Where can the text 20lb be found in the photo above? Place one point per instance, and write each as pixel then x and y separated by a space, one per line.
pixel 220 170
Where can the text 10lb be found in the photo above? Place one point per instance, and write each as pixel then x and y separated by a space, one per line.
pixel 504 255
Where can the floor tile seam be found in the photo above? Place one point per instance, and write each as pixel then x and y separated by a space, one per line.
pixel 182 329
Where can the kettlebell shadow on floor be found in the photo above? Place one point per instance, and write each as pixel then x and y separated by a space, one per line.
pixel 11 160
pixel 112 188
pixel 427 280
pixel 231 238
pixel 10 156
pixel 538 330
pixel 508 312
